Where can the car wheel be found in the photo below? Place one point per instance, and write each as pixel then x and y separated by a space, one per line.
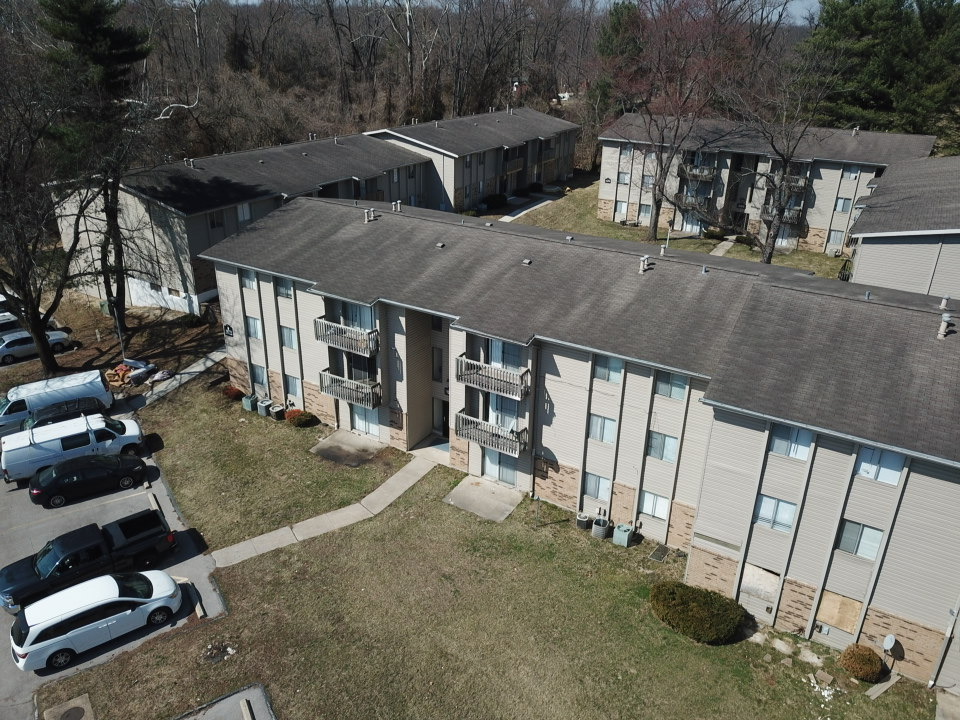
pixel 160 616
pixel 57 501
pixel 7 359
pixel 126 482
pixel 57 347
pixel 60 659
pixel 130 450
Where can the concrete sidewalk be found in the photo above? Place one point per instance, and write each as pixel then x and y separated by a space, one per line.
pixel 374 503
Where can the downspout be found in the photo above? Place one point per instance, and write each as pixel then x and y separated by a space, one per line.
pixel 938 666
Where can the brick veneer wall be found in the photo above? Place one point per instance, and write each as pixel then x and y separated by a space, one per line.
pixel 921 645
pixel 796 605
pixel 605 209
pixel 276 387
pixel 680 531
pixel 556 483
pixel 816 240
pixel 711 571
pixel 621 504
pixel 459 453
pixel 237 370
pixel 323 406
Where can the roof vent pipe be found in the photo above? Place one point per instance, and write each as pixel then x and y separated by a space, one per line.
pixel 866 295
pixel 944 324
pixel 943 303
pixel 399 203
pixel 703 270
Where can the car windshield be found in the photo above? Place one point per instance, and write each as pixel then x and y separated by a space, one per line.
pixel 45 561
pixel 134 585
pixel 19 630
pixel 116 425
pixel 3 404
pixel 47 476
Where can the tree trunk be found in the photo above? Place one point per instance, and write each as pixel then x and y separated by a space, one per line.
pixel 111 253
pixel 655 208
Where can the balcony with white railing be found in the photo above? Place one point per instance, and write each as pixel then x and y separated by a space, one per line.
pixel 500 380
pixel 691 202
pixel 509 442
pixel 790 215
pixel 356 392
pixel 701 173
pixel 512 166
pixel 343 337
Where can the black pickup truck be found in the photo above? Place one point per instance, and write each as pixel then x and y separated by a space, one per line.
pixel 131 543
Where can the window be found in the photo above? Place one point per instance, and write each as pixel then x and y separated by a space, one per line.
pixel 480 158
pixel 174 292
pixel 663 447
pixel 608 368
pixel 603 429
pixel 248 279
pixel 774 513
pixel 103 435
pixel 436 323
pixel 258 375
pixel 645 210
pixel 843 205
pixel 621 207
pixel 156 287
pixel 438 364
pixel 647 181
pixel 656 505
pixel 254 328
pixel 836 237
pixel 881 465
pixel 626 151
pixel 623 178
pixel 243 214
pixel 72 442
pixel 860 540
pixel 851 172
pixel 288 337
pixel 671 385
pixel 283 287
pixel 790 441
pixel 396 175
pixel 412 173
pixel 468 162
pixel 291 385
pixel 216 219
pixel 596 486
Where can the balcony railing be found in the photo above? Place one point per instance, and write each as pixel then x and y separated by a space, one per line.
pixel 703 173
pixel 356 392
pixel 790 215
pixel 512 166
pixel 691 202
pixel 509 442
pixel 796 183
pixel 502 381
pixel 548 154
pixel 344 337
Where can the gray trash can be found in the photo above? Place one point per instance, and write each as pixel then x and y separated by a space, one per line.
pixel 263 407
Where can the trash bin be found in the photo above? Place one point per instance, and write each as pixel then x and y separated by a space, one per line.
pixel 276 412
pixel 621 535
pixel 601 528
pixel 263 407
pixel 249 402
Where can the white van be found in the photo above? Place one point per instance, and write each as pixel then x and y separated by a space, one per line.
pixel 25 453
pixel 22 401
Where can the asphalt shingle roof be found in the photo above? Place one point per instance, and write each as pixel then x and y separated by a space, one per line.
pixel 819 143
pixel 465 135
pixel 221 180
pixel 917 195
pixel 773 341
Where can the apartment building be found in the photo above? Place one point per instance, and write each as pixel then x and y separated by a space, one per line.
pixel 907 233
pixel 806 461
pixel 487 154
pixel 718 175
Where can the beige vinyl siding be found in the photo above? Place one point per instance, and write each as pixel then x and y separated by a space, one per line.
pixel 871 503
pixel 418 376
pixel 769 548
pixel 608 169
pixel 785 477
pixel 849 575
pixel 652 528
pixel 600 458
pixel 437 174
pixel 735 454
pixel 835 638
pixel 693 448
pixel 946 278
pixel 457 340
pixel 271 328
pixel 395 343
pixel 920 576
pixel 898 265
pixel 817 527
pixel 314 353
pixel 439 340
pixel 563 393
pixel 231 311
pixel 634 416
pixel 824 183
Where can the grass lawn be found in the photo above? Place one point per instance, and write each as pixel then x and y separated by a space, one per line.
pixel 576 212
pixel 428 612
pixel 249 474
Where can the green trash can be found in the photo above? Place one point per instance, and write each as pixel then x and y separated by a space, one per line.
pixel 621 535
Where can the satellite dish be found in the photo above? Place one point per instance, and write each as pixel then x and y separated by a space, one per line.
pixel 889 642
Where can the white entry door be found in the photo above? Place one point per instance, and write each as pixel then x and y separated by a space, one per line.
pixel 499 467
pixel 363 420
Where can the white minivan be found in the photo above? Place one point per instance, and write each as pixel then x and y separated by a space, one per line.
pixel 22 401
pixel 26 453
pixel 51 632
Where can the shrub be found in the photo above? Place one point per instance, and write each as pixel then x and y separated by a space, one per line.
pixel 469 213
pixel 233 393
pixel 299 418
pixel 713 234
pixel 522 192
pixel 495 201
pixel 703 615
pixel 744 240
pixel 536 187
pixel 863 663
pixel 190 321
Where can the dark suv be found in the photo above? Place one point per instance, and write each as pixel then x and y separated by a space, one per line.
pixel 65 410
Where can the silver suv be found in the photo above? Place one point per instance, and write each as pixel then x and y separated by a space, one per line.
pixel 20 344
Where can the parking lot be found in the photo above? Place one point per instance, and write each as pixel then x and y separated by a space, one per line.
pixel 25 527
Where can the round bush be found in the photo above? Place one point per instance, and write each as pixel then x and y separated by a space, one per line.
pixel 863 663
pixel 233 393
pixel 703 615
pixel 299 418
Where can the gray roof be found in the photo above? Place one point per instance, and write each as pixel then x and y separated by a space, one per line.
pixel 465 135
pixel 819 144
pixel 774 341
pixel 863 368
pixel 915 196
pixel 222 180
